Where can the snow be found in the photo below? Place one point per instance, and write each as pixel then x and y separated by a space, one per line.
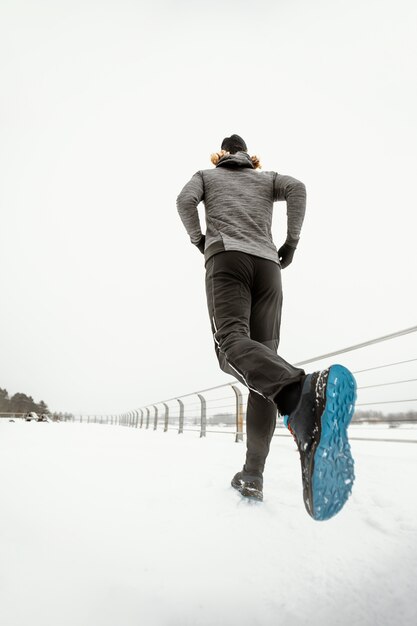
pixel 105 526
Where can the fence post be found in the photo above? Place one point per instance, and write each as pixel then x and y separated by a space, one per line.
pixel 155 421
pixel 181 420
pixel 147 417
pixel 239 413
pixel 203 415
pixel 166 417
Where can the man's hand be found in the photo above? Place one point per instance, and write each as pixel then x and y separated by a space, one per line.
pixel 285 254
pixel 201 244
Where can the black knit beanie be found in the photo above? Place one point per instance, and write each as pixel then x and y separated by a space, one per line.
pixel 233 144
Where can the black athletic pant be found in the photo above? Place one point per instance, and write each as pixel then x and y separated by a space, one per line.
pixel 244 297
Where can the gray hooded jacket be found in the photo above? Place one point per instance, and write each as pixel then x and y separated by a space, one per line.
pixel 238 203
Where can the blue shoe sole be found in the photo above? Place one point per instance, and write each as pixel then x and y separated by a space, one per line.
pixel 333 473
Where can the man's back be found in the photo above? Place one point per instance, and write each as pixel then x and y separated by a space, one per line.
pixel 239 202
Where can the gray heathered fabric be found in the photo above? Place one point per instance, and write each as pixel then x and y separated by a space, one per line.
pixel 239 201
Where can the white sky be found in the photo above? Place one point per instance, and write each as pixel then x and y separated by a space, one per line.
pixel 107 109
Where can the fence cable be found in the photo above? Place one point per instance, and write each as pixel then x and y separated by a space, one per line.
pixel 378 367
pixel 358 346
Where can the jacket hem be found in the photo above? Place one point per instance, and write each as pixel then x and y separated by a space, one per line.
pixel 218 246
pixel 212 249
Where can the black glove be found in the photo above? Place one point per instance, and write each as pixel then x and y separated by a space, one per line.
pixel 200 245
pixel 285 254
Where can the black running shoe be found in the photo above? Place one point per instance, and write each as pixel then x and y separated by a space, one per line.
pixel 248 485
pixel 319 426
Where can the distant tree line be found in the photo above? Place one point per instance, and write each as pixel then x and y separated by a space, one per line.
pixel 390 418
pixel 359 417
pixel 21 403
pixel 62 417
pixel 228 419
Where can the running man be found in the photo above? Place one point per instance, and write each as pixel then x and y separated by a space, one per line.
pixel 244 298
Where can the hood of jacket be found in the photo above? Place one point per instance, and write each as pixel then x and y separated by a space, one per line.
pixel 235 161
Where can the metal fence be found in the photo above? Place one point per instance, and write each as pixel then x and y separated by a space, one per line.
pixel 200 410
pixel 12 415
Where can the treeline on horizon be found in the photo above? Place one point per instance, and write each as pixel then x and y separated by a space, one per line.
pixel 359 416
pixel 376 416
pixel 21 403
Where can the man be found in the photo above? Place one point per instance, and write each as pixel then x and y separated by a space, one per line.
pixel 244 297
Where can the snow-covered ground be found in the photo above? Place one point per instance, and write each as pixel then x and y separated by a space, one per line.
pixel 111 526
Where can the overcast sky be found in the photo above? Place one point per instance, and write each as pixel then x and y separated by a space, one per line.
pixel 109 107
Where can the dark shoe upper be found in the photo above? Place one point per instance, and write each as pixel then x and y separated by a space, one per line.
pixel 249 485
pixel 248 477
pixel 304 423
pixel 301 422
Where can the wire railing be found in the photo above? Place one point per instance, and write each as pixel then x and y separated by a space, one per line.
pixel 12 415
pixel 198 411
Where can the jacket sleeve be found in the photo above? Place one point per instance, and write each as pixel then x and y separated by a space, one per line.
pixel 191 195
pixel 294 192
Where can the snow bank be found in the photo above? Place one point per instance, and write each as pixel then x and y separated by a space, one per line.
pixel 109 526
